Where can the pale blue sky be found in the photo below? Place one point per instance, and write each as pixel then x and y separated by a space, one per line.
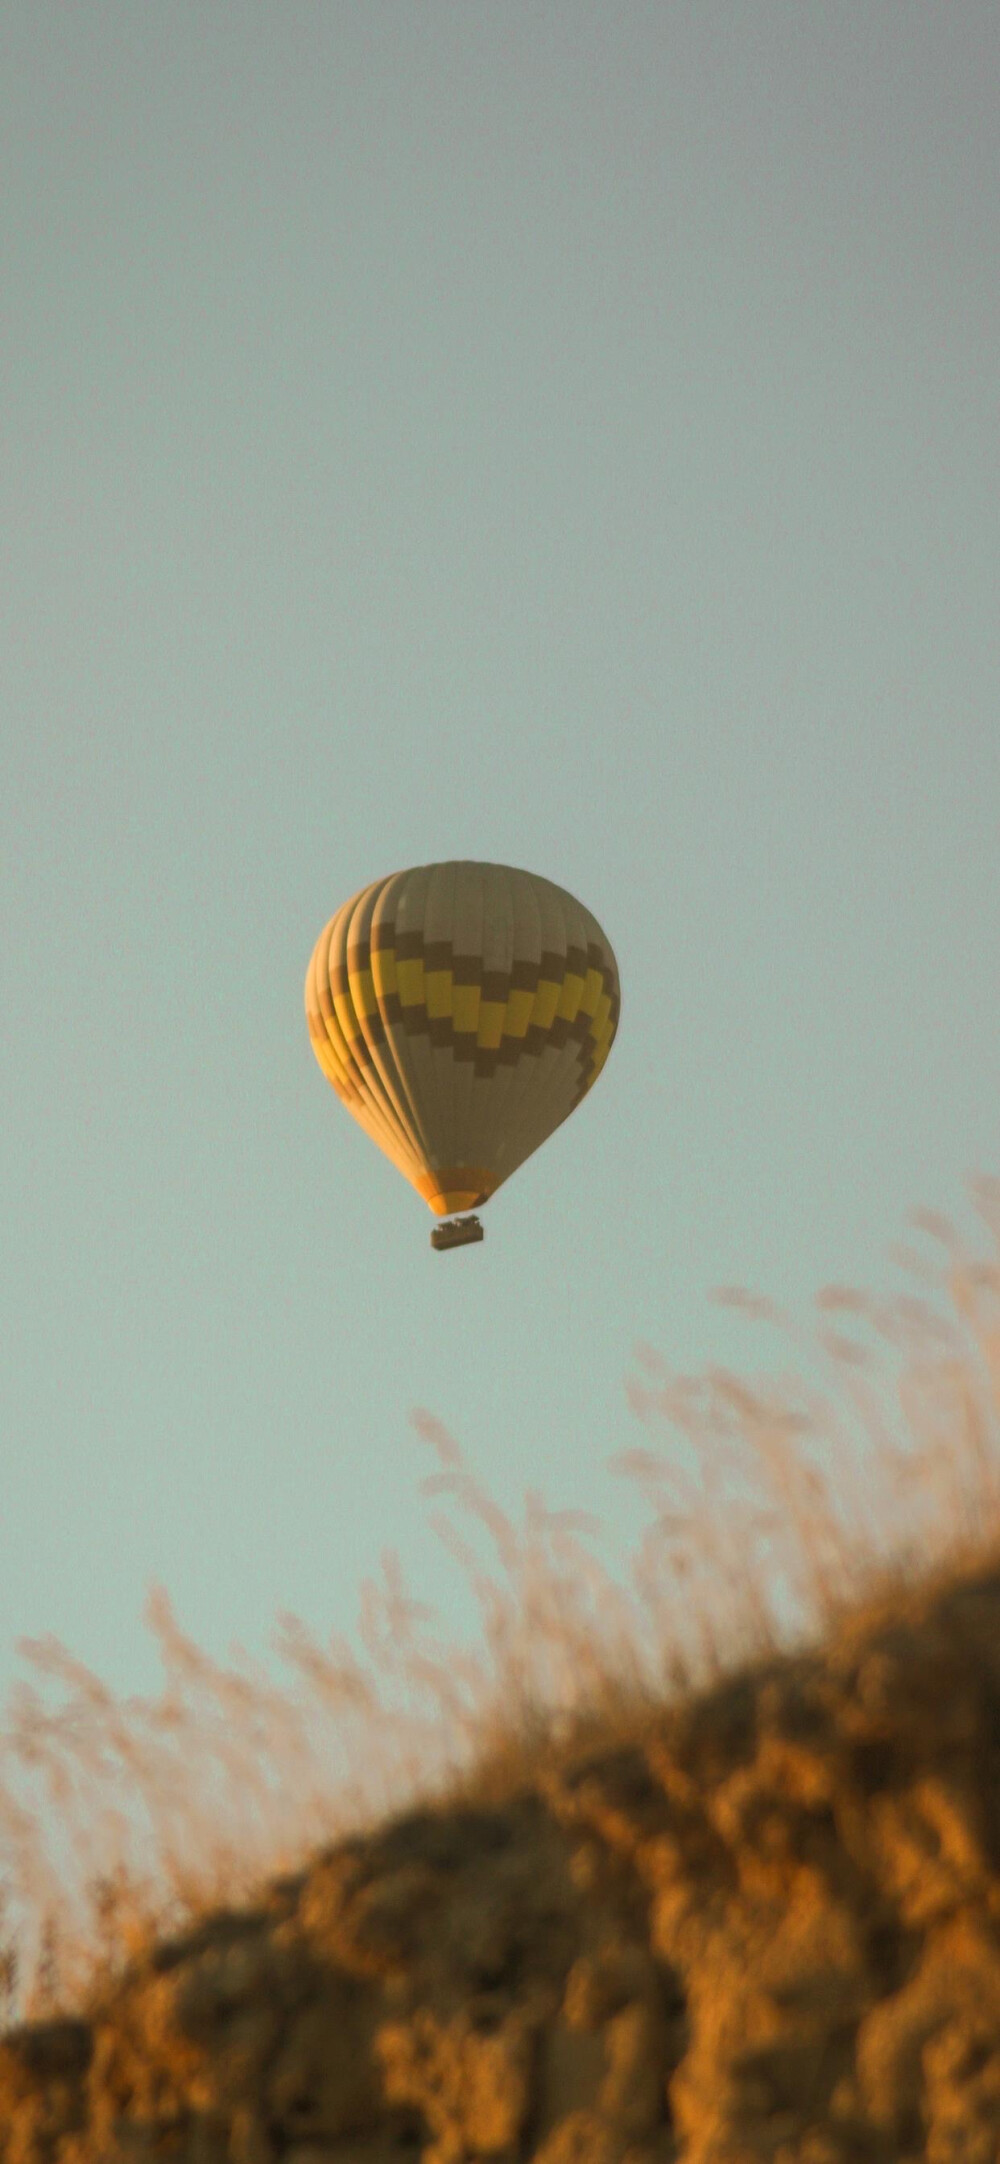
pixel 558 434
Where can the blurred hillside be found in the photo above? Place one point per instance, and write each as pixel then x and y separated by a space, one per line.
pixel 708 1870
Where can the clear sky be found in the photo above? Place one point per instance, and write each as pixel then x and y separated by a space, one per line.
pixel 566 435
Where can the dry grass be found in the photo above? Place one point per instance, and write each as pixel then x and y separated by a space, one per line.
pixel 773 1509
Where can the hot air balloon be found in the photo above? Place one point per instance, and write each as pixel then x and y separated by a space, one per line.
pixel 461 1012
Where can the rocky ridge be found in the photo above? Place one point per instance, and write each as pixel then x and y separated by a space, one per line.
pixel 765 1925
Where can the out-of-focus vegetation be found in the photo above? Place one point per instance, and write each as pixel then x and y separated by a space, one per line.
pixel 781 1512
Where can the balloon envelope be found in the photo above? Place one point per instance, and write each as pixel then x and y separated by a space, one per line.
pixel 461 1012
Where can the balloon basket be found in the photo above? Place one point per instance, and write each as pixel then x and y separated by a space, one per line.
pixel 456 1232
